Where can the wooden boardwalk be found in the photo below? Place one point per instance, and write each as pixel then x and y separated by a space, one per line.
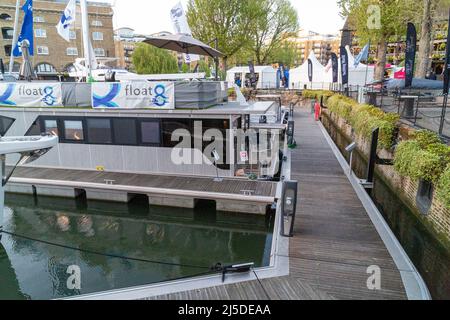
pixel 335 241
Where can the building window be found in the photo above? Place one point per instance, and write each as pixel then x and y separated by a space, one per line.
pixel 42 50
pixel 72 35
pixel 51 127
pixel 99 52
pixel 38 19
pixel 97 23
pixel 99 131
pixel 7 33
pixel 125 131
pixel 72 51
pixel 73 130
pixel 97 36
pixel 8 50
pixel 151 132
pixel 45 68
pixel 5 16
pixel 40 33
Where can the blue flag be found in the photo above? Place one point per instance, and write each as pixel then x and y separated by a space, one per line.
pixel 27 30
pixel 362 56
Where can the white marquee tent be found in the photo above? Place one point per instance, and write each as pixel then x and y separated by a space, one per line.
pixel 298 77
pixel 357 75
pixel 323 76
pixel 267 76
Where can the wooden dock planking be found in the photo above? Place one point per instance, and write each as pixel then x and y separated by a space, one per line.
pixel 200 184
pixel 334 243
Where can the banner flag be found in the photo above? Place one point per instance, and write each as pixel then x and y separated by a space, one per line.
pixel 362 56
pixel 68 19
pixel 133 95
pixel 26 34
pixel 410 54
pixel 335 67
pixel 310 70
pixel 181 26
pixel 344 65
pixel 30 94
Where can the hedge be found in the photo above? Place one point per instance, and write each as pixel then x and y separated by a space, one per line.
pixel 365 118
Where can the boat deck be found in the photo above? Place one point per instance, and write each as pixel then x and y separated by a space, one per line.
pixel 201 187
pixel 334 243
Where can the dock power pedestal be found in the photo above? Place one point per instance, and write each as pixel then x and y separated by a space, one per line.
pixel 288 208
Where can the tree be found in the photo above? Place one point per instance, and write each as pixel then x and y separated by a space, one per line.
pixel 228 21
pixel 286 54
pixel 379 21
pixel 279 21
pixel 148 59
pixel 429 8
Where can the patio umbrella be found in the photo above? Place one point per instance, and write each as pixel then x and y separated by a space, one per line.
pixel 184 44
pixel 26 70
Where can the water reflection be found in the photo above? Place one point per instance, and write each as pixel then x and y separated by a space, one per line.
pixel 429 256
pixel 179 237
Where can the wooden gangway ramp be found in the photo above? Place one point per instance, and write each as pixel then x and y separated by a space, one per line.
pixel 335 241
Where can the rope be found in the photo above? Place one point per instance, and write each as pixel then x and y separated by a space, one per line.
pixel 262 286
pixel 213 268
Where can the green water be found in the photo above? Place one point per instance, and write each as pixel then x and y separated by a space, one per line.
pixel 194 239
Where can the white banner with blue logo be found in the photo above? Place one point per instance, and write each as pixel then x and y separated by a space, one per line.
pixel 30 94
pixel 133 95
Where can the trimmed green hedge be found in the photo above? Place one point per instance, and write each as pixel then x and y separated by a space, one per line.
pixel 316 94
pixel 365 118
pixel 425 157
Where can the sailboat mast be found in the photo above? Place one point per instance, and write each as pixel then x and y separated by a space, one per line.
pixel 86 37
pixel 14 41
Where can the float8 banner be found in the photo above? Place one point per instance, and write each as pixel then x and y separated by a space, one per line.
pixel 30 95
pixel 133 95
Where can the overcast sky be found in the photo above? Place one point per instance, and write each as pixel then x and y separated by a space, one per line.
pixel 152 16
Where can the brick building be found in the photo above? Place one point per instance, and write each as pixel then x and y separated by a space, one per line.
pixel 52 54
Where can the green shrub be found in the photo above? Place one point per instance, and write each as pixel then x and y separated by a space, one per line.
pixel 340 105
pixel 424 157
pixel 443 187
pixel 316 94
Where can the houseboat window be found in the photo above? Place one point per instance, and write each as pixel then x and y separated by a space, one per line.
pixel 5 124
pixel 73 130
pixel 151 132
pixel 169 126
pixel 125 131
pixel 99 131
pixel 35 129
pixel 51 127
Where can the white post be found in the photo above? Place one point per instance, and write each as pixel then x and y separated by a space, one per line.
pixel 86 36
pixel 14 41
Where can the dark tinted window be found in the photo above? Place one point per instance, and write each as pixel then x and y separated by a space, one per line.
pixel 99 131
pixel 5 124
pixel 151 132
pixel 35 129
pixel 125 131
pixel 169 126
